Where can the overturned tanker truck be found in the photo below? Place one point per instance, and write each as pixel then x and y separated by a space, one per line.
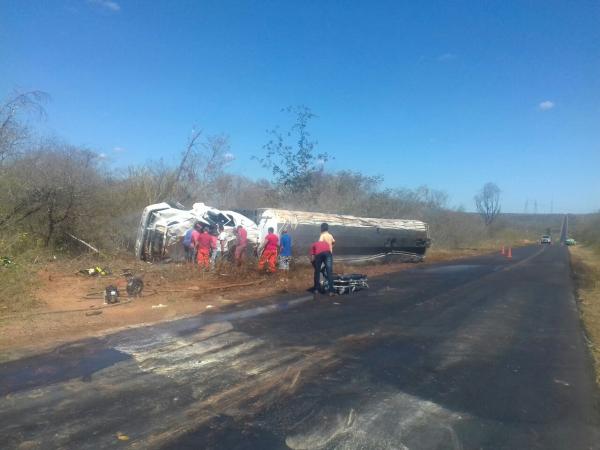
pixel 162 227
pixel 358 239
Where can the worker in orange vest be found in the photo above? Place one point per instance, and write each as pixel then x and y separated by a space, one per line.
pixel 203 242
pixel 269 253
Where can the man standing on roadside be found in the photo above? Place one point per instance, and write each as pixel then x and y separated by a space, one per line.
pixel 222 242
pixel 330 241
pixel 203 243
pixel 285 250
pixel 269 252
pixel 188 248
pixel 320 255
pixel 195 236
pixel 214 232
pixel 327 237
pixel 242 243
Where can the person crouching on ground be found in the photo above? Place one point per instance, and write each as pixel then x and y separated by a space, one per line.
pixel 285 250
pixel 320 254
pixel 242 243
pixel 269 252
pixel 203 245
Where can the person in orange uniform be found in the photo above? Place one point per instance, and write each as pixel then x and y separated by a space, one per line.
pixel 203 243
pixel 269 253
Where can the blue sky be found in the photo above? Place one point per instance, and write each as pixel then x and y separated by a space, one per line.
pixel 449 94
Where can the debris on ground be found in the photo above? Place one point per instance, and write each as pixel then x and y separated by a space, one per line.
pixel 346 284
pixel 6 261
pixel 160 305
pixel 91 247
pixel 111 295
pixel 96 271
pixel 135 286
pixel 122 437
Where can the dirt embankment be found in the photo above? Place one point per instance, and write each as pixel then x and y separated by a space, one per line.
pixel 70 305
pixel 586 271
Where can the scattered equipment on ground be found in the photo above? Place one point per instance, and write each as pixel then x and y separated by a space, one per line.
pixel 135 286
pixel 346 284
pixel 96 271
pixel 111 295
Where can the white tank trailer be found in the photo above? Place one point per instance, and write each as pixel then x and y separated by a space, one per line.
pixel 358 239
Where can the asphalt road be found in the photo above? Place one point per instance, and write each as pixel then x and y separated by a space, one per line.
pixel 485 353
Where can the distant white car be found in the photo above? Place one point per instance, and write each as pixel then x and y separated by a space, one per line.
pixel 546 239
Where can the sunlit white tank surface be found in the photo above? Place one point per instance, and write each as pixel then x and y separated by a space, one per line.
pixel 358 239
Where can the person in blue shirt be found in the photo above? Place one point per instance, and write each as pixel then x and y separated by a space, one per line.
pixel 188 248
pixel 285 250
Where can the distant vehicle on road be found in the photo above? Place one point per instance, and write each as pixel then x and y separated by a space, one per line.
pixel 546 239
pixel 570 241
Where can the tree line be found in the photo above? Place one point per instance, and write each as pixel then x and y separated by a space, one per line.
pixel 52 191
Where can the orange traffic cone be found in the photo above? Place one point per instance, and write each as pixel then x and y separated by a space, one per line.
pixel 502 250
pixel 509 254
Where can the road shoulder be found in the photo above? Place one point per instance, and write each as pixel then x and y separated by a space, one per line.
pixel 585 265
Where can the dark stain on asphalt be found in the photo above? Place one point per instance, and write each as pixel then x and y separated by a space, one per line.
pixel 79 360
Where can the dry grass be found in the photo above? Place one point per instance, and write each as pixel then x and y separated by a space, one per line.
pixel 17 282
pixel 441 254
pixel 15 293
pixel 436 255
pixel 586 271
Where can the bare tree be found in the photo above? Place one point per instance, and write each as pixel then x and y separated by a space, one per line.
pixel 12 130
pixel 184 163
pixel 202 162
pixel 151 183
pixel 50 189
pixel 487 203
pixel 291 154
pixel 208 161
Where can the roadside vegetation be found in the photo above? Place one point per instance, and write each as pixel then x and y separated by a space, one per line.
pixel 585 229
pixel 18 279
pixel 53 195
pixel 586 269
